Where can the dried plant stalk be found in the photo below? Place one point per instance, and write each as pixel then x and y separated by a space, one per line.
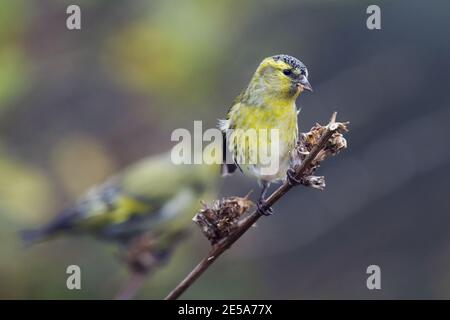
pixel 314 147
pixel 221 218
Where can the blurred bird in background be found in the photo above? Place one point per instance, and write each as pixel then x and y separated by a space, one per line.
pixel 267 103
pixel 151 195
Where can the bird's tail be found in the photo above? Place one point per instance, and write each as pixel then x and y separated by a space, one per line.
pixel 59 223
pixel 32 236
pixel 227 169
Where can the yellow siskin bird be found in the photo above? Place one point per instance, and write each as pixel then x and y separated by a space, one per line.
pixel 152 195
pixel 268 103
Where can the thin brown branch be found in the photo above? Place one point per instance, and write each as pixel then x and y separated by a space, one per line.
pixel 220 247
pixel 142 256
pixel 131 287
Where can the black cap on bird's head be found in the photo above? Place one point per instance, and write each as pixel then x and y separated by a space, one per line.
pixel 297 71
pixel 293 62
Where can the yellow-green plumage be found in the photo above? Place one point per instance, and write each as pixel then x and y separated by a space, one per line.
pixel 281 115
pixel 267 103
pixel 152 195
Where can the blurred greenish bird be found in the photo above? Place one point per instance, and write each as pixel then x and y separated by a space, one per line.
pixel 268 103
pixel 153 195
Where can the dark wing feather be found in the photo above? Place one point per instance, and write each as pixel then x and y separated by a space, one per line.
pixel 226 168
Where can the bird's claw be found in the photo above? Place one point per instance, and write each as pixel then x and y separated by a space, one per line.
pixel 263 210
pixel 291 179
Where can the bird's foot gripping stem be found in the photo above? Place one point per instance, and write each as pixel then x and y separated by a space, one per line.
pixel 291 179
pixel 263 209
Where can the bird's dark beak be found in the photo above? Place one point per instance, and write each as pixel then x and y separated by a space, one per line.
pixel 305 84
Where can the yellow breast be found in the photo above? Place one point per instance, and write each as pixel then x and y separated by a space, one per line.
pixel 274 117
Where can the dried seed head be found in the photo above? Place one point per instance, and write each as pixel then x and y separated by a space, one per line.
pixel 336 143
pixel 316 182
pixel 221 218
pixel 306 143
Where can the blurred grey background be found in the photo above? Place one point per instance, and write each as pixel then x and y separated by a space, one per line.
pixel 76 106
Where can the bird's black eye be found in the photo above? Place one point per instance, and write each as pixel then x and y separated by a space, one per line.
pixel 287 72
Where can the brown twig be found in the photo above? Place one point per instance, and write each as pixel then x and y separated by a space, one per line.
pixel 131 287
pixel 143 254
pixel 220 247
